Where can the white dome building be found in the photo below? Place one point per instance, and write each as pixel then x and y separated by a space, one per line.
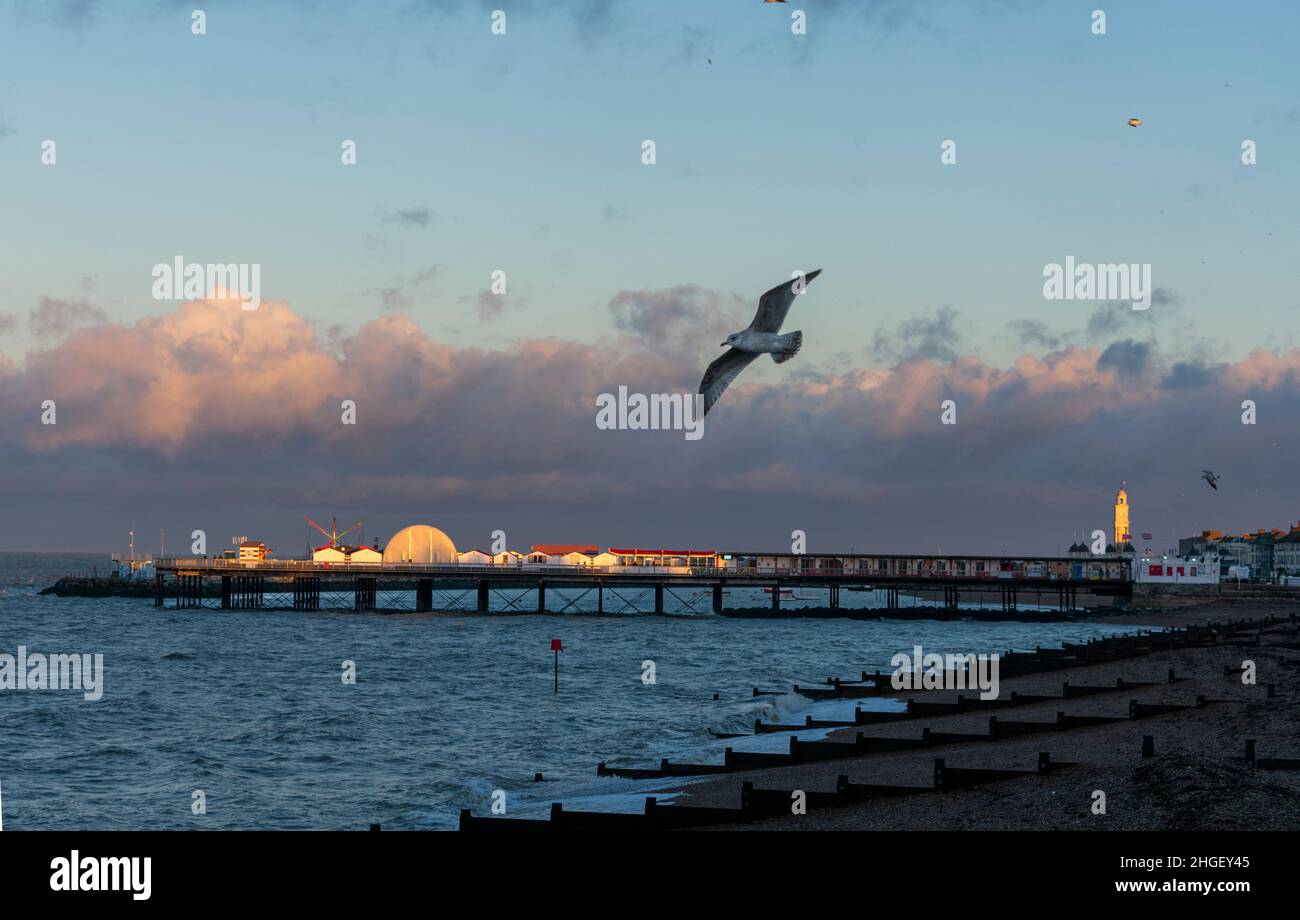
pixel 420 544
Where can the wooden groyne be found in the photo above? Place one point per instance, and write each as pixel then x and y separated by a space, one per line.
pixel 756 803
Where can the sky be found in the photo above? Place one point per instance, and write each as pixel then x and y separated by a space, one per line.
pixel 522 153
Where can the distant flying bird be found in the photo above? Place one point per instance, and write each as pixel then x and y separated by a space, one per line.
pixel 761 336
pixel 1134 122
pixel 1212 479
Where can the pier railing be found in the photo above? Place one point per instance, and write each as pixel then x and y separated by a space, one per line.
pixel 528 569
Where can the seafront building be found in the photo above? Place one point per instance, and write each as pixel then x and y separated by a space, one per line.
pixel 1267 554
pixel 1122 534
pixel 253 551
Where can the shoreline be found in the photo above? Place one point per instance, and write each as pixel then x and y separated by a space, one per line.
pixel 1197 780
pixel 1186 696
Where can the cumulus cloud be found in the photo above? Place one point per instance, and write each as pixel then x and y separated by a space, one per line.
pixel 233 416
pixel 1128 357
pixel 1192 375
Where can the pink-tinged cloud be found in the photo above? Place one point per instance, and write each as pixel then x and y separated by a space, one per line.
pixel 213 400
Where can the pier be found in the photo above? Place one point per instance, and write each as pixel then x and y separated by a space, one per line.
pixel 998 583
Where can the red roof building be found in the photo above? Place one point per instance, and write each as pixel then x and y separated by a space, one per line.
pixel 563 549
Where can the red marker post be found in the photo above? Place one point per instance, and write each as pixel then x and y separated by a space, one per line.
pixel 557 646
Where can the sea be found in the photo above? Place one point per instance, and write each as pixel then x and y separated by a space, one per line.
pixel 246 719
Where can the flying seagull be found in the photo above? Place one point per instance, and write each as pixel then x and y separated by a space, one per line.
pixel 761 336
pixel 1135 122
pixel 1212 479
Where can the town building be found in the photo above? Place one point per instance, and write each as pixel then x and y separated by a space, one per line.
pixel 1122 533
pixel 420 544
pixel 1159 570
pixel 253 551
pixel 1286 553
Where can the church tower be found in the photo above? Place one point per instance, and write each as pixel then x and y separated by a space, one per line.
pixel 1122 535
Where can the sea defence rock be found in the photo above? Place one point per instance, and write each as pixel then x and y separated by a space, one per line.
pixel 1162 596
pixel 80 586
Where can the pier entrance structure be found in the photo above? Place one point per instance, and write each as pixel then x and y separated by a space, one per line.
pixel 707 583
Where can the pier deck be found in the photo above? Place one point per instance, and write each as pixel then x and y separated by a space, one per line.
pixel 302 585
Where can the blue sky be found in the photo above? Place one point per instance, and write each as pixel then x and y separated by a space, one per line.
pixel 787 152
pixel 522 153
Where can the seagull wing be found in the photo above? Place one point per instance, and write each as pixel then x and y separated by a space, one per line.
pixel 775 304
pixel 720 374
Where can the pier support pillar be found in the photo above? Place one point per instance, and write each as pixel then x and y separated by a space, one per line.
pixel 541 597
pixel 424 595
pixel 225 592
pixel 835 597
pixel 717 598
pixel 600 597
pixel 776 595
pixel 659 598
pixel 306 593
pixel 158 590
pixel 482 596
pixel 363 597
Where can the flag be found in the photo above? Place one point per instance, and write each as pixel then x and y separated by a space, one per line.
pixel 1146 536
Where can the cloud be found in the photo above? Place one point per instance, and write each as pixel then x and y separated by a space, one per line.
pixel 1128 357
pixel 399 295
pixel 613 213
pixel 490 306
pixel 54 317
pixel 1115 317
pixel 1192 375
pixel 935 338
pixel 410 217
pixel 213 416
pixel 1034 333
pixel 686 320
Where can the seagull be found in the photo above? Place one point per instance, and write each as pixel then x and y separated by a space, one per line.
pixel 761 336
pixel 1135 122
pixel 1212 479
